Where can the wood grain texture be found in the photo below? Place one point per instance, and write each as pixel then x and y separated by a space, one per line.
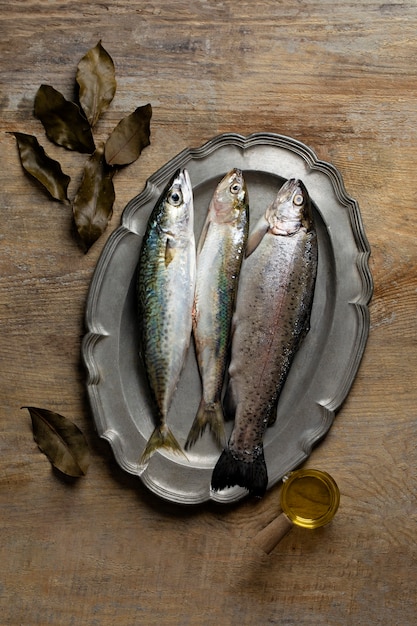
pixel 339 76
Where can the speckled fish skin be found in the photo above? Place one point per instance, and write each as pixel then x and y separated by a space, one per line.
pixel 220 252
pixel 166 283
pixel 272 317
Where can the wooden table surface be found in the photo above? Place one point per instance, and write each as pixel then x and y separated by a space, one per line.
pixel 342 78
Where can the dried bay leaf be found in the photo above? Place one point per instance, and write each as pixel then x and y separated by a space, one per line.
pixel 93 203
pixel 60 440
pixel 97 82
pixel 129 138
pixel 38 164
pixel 63 121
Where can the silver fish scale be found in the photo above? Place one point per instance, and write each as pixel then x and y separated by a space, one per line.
pixel 166 319
pixel 216 281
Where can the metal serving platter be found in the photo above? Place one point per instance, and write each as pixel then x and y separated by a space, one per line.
pixel 324 368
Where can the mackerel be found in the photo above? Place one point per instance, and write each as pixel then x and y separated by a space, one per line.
pixel 165 288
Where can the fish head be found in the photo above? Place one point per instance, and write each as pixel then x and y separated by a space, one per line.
pixel 230 197
pixel 291 209
pixel 178 204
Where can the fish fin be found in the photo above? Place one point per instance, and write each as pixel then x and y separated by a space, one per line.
pixel 230 471
pixel 211 414
pixel 170 250
pixel 203 234
pixel 272 418
pixel 271 415
pixel 256 236
pixel 229 405
pixel 161 437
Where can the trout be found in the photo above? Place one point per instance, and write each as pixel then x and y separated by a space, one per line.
pixel 165 288
pixel 272 317
pixel 219 257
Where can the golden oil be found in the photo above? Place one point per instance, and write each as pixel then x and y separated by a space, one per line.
pixel 310 498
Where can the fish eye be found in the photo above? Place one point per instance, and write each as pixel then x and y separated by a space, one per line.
pixel 175 197
pixel 298 199
pixel 235 188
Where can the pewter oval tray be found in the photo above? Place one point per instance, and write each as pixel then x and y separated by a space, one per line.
pixel 324 368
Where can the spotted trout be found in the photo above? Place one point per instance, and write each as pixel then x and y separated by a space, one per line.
pixel 272 317
pixel 165 288
pixel 219 257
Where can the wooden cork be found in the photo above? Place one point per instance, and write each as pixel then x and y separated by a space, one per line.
pixel 272 534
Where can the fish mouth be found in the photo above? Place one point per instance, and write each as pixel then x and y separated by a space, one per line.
pixel 235 173
pixel 289 187
pixel 182 178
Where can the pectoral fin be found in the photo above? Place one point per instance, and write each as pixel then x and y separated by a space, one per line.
pixel 170 250
pixel 203 234
pixel 256 236
pixel 229 404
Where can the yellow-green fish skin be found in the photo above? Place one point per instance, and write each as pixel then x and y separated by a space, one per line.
pixel 220 252
pixel 165 287
pixel 272 316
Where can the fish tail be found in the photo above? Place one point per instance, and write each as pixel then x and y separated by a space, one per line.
pixel 161 437
pixel 230 471
pixel 208 414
